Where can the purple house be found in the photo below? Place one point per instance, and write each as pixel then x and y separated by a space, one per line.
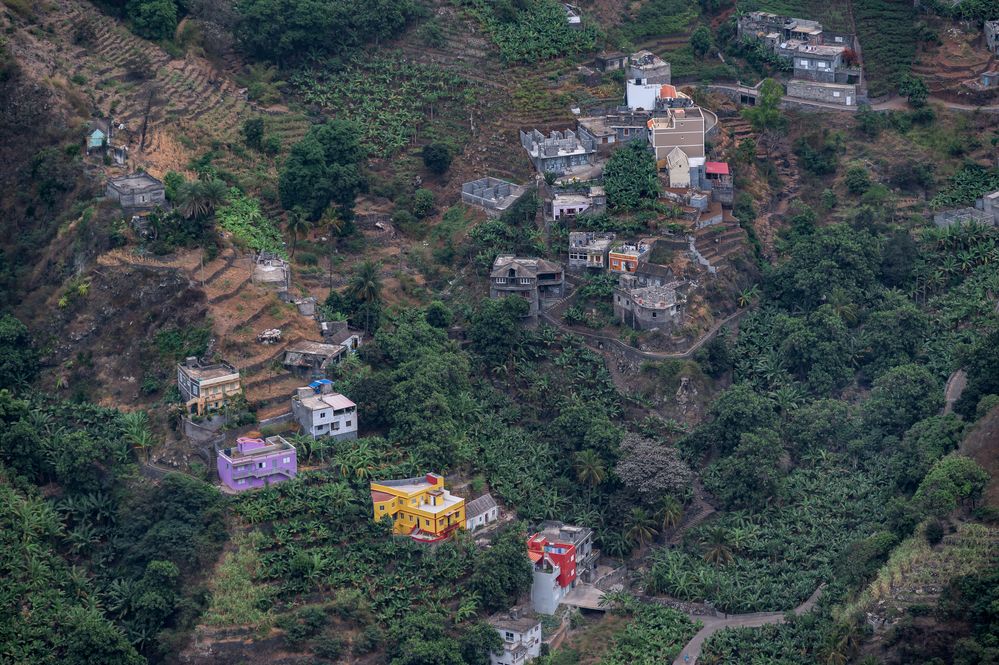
pixel 256 463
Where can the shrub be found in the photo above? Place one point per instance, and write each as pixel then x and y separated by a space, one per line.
pixel 934 532
pixel 253 132
pixel 437 158
pixel 423 203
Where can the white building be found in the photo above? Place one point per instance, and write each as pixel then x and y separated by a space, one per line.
pixel 480 512
pixel 322 412
pixel 521 632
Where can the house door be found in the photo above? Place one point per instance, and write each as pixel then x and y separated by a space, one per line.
pixel 849 100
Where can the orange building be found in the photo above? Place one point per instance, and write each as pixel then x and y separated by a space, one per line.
pixel 624 258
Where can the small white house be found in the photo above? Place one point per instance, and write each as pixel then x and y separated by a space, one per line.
pixel 679 168
pixel 480 512
pixel 322 412
pixel 521 632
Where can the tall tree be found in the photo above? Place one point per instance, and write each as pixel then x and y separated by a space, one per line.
pixel 631 177
pixel 325 167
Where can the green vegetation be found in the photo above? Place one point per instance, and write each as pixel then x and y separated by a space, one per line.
pixel 630 177
pixel 112 576
pixel 324 169
pixel 653 635
pixel 532 30
pixel 968 184
pixel 388 99
pixel 661 17
pixel 886 29
pixel 242 217
pixel 287 30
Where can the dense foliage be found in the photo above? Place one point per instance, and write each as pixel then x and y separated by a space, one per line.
pixel 325 168
pixel 242 217
pixel 389 100
pixel 630 177
pixel 286 30
pixel 531 30
pixel 886 28
pixel 111 575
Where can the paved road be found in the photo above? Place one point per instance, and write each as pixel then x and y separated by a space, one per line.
pixel 689 654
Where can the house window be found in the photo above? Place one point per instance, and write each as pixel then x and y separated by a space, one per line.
pixel 654 315
pixel 836 93
pixel 349 422
pixel 803 63
pixel 241 481
pixel 335 426
pixel 501 280
pixel 382 508
pixel 286 460
pixel 426 522
pixel 839 40
pixel 509 636
pixel 525 280
pixel 261 465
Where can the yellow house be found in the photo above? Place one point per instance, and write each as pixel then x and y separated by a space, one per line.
pixel 420 506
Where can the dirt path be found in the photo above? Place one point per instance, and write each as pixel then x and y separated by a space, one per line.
pixel 689 654
pixel 955 386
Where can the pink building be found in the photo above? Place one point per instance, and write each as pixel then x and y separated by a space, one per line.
pixel 256 463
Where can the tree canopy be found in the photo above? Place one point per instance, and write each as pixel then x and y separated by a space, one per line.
pixel 630 176
pixel 325 167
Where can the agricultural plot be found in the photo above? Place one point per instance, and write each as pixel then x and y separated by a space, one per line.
pixel 780 555
pixel 887 34
pixel 391 100
pixel 539 32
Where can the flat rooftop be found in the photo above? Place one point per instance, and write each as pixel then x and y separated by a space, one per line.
pixel 272 445
pixel 654 297
pixel 586 240
pixel 334 401
pixel 315 348
pixel 517 620
pixel 135 181
pixel 209 372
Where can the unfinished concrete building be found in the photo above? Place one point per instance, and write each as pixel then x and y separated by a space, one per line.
pixel 561 152
pixel 992 36
pixel 774 28
pixel 313 359
pixel 538 281
pixel 589 249
pixel 653 306
pixel 138 191
pixel 491 194
pixel 272 271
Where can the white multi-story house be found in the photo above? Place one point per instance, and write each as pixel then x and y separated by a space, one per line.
pixel 322 412
pixel 521 632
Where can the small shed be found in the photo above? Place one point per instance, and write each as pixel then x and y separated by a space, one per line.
pixel 96 140
pixel 609 61
pixel 990 79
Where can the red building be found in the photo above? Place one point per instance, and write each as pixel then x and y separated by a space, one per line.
pixel 554 571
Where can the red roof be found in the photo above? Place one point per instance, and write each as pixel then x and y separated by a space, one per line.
pixel 716 168
pixel 380 496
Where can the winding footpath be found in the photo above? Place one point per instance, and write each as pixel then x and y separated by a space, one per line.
pixel 690 652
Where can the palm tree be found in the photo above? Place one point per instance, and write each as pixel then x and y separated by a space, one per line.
pixel 200 199
pixel 298 225
pixel 590 468
pixel 641 527
pixel 747 296
pixel 366 287
pixel 717 551
pixel 670 513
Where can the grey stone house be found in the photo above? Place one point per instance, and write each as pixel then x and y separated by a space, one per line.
pixel 139 191
pixel 536 280
pixel 313 359
pixel 559 152
pixel 610 61
pixel 648 303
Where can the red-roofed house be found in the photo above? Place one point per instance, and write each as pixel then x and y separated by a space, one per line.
pixel 718 180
